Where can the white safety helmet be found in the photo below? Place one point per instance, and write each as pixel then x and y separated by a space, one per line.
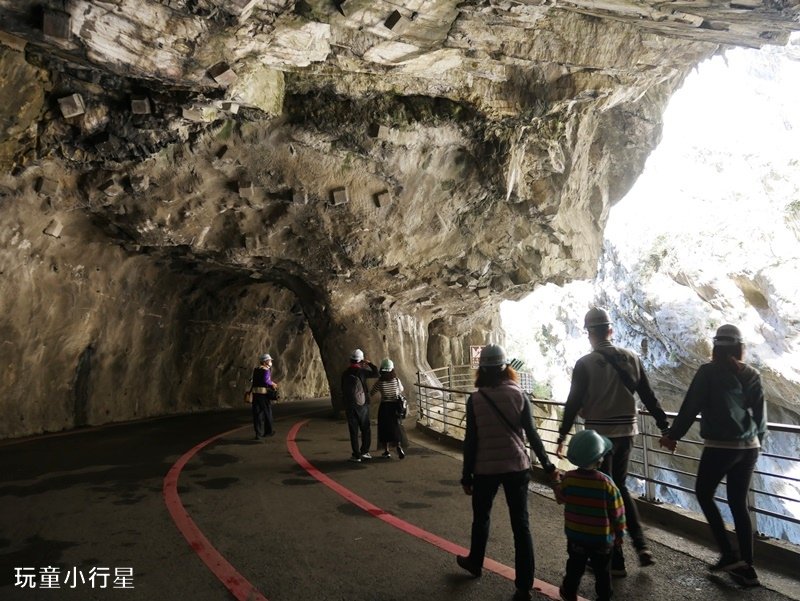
pixel 265 357
pixel 357 355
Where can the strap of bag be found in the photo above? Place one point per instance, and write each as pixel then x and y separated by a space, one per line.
pixel 613 360
pixel 506 421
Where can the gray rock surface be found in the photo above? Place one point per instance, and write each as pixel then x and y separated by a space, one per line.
pixel 304 181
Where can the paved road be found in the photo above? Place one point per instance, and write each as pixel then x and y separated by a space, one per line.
pixel 92 502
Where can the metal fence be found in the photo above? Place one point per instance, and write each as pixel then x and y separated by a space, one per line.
pixel 656 474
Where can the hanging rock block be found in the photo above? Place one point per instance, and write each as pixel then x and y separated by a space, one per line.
pixel 57 25
pixel 140 105
pixel 394 21
pixel 300 197
pixel 340 197
pixel 246 189
pixel 344 6
pixel 383 199
pixel 72 106
pixel 111 188
pixel 240 8
pixel 222 74
pixel 231 107
pixel 47 187
pixel 54 228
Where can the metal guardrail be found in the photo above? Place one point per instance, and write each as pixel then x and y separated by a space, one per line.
pixel 656 474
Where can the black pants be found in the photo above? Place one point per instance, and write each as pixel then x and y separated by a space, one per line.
pixel 576 565
pixel 738 466
pixel 262 416
pixel 515 486
pixel 358 420
pixel 615 465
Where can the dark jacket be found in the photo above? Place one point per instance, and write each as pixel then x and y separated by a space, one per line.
pixel 361 371
pixel 732 405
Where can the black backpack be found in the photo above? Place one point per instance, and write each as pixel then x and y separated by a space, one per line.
pixel 353 389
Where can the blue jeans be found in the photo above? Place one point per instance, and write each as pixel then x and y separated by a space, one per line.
pixel 738 466
pixel 484 489
pixel 358 420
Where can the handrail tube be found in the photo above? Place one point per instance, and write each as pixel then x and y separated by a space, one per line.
pixel 451 400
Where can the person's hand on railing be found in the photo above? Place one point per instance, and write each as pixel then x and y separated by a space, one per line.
pixel 669 444
pixel 560 450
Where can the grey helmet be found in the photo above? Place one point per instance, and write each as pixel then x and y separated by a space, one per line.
pixel 493 355
pixel 727 335
pixel 265 357
pixel 596 316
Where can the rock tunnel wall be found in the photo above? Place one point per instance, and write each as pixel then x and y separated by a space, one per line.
pixel 217 179
pixel 91 333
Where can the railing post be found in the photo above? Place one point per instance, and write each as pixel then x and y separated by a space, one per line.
pixel 450 376
pixel 649 486
pixel 445 397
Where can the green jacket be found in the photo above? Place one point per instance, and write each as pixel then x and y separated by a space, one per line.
pixel 732 405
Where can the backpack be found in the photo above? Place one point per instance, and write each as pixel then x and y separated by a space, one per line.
pixel 352 389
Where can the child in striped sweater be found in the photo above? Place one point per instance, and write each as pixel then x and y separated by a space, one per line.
pixel 594 516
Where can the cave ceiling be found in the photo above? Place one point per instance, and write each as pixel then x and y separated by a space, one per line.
pixel 420 157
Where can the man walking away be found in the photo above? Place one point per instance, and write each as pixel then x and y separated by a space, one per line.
pixel 356 396
pixel 602 391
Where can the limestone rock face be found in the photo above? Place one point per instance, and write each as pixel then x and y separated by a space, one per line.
pixel 312 176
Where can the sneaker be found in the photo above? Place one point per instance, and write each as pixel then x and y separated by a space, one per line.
pixel 400 452
pixel 386 455
pixel 726 564
pixel 564 596
pixel 646 558
pixel 366 456
pixel 745 576
pixel 464 562
pixel 355 459
pixel 619 572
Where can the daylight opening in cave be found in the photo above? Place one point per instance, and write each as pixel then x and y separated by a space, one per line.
pixel 709 234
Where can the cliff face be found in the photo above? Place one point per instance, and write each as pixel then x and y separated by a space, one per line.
pixel 186 184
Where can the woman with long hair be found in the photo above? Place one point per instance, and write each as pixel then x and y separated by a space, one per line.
pixel 729 395
pixel 389 426
pixel 496 454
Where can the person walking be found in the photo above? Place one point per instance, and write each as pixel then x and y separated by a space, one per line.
pixel 602 391
pixel 354 392
pixel 263 390
pixel 594 515
pixel 390 428
pixel 729 395
pixel 495 454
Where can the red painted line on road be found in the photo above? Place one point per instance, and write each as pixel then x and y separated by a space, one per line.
pixel 221 568
pixel 545 588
